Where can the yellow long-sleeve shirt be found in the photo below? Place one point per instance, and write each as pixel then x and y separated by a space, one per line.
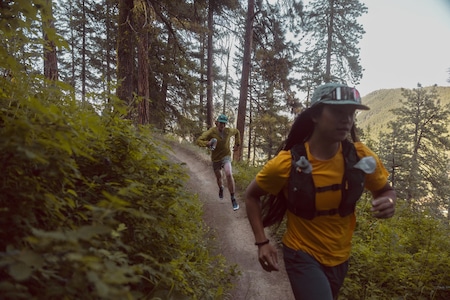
pixel 223 141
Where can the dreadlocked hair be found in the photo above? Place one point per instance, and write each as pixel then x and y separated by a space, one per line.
pixel 274 206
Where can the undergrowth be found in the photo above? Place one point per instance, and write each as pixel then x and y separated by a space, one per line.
pixel 91 208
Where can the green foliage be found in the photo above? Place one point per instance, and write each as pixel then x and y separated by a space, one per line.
pixel 270 130
pixel 405 257
pixel 90 207
pixel 243 175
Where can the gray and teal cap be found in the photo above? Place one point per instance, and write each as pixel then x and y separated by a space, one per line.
pixel 222 119
pixel 337 93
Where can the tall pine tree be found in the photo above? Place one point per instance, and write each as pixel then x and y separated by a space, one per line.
pixel 422 170
pixel 330 42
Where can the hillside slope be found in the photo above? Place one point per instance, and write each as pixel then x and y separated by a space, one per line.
pixel 381 103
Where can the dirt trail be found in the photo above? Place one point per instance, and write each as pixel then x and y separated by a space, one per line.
pixel 234 235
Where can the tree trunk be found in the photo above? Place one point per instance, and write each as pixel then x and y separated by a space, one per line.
pixel 209 62
pixel 227 72
pixel 72 51
pixel 50 58
pixel 143 64
pixel 109 36
pixel 329 42
pixel 83 53
pixel 125 61
pixel 250 134
pixel 246 67
pixel 202 81
pixel 159 88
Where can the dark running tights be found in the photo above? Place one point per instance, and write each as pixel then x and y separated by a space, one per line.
pixel 309 279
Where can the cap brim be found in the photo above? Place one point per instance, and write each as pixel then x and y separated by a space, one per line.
pixel 345 102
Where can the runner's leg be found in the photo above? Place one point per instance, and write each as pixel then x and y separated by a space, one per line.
pixel 308 280
pixel 217 166
pixel 229 175
pixel 336 276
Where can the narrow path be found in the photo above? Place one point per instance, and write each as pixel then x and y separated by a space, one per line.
pixel 233 233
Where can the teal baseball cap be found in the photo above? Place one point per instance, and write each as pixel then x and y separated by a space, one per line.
pixel 222 119
pixel 337 93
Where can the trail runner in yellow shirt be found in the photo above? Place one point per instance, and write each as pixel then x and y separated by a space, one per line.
pixel 315 182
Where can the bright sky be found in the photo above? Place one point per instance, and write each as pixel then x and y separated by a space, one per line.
pixel 406 42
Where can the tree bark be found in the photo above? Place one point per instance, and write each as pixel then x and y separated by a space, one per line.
pixel 109 36
pixel 202 81
pixel 246 67
pixel 50 58
pixel 227 72
pixel 329 42
pixel 143 64
pixel 125 61
pixel 83 53
pixel 210 75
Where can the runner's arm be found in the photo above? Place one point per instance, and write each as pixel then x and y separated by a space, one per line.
pixel 267 253
pixel 253 194
pixel 383 203
pixel 204 139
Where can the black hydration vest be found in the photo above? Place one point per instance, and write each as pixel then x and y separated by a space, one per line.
pixel 302 192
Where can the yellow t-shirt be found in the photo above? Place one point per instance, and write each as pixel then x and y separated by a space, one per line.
pixel 327 238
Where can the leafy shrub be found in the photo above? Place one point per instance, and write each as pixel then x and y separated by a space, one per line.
pixel 243 175
pixel 405 257
pixel 91 208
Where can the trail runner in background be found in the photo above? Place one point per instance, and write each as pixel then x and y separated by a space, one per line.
pixel 218 140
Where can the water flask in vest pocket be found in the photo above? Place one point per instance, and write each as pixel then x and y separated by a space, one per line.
pixel 367 164
pixel 303 165
pixel 213 144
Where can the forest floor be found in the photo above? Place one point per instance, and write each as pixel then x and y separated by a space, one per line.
pixel 234 237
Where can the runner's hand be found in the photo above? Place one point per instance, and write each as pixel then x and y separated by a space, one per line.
pixel 383 207
pixel 212 144
pixel 268 257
